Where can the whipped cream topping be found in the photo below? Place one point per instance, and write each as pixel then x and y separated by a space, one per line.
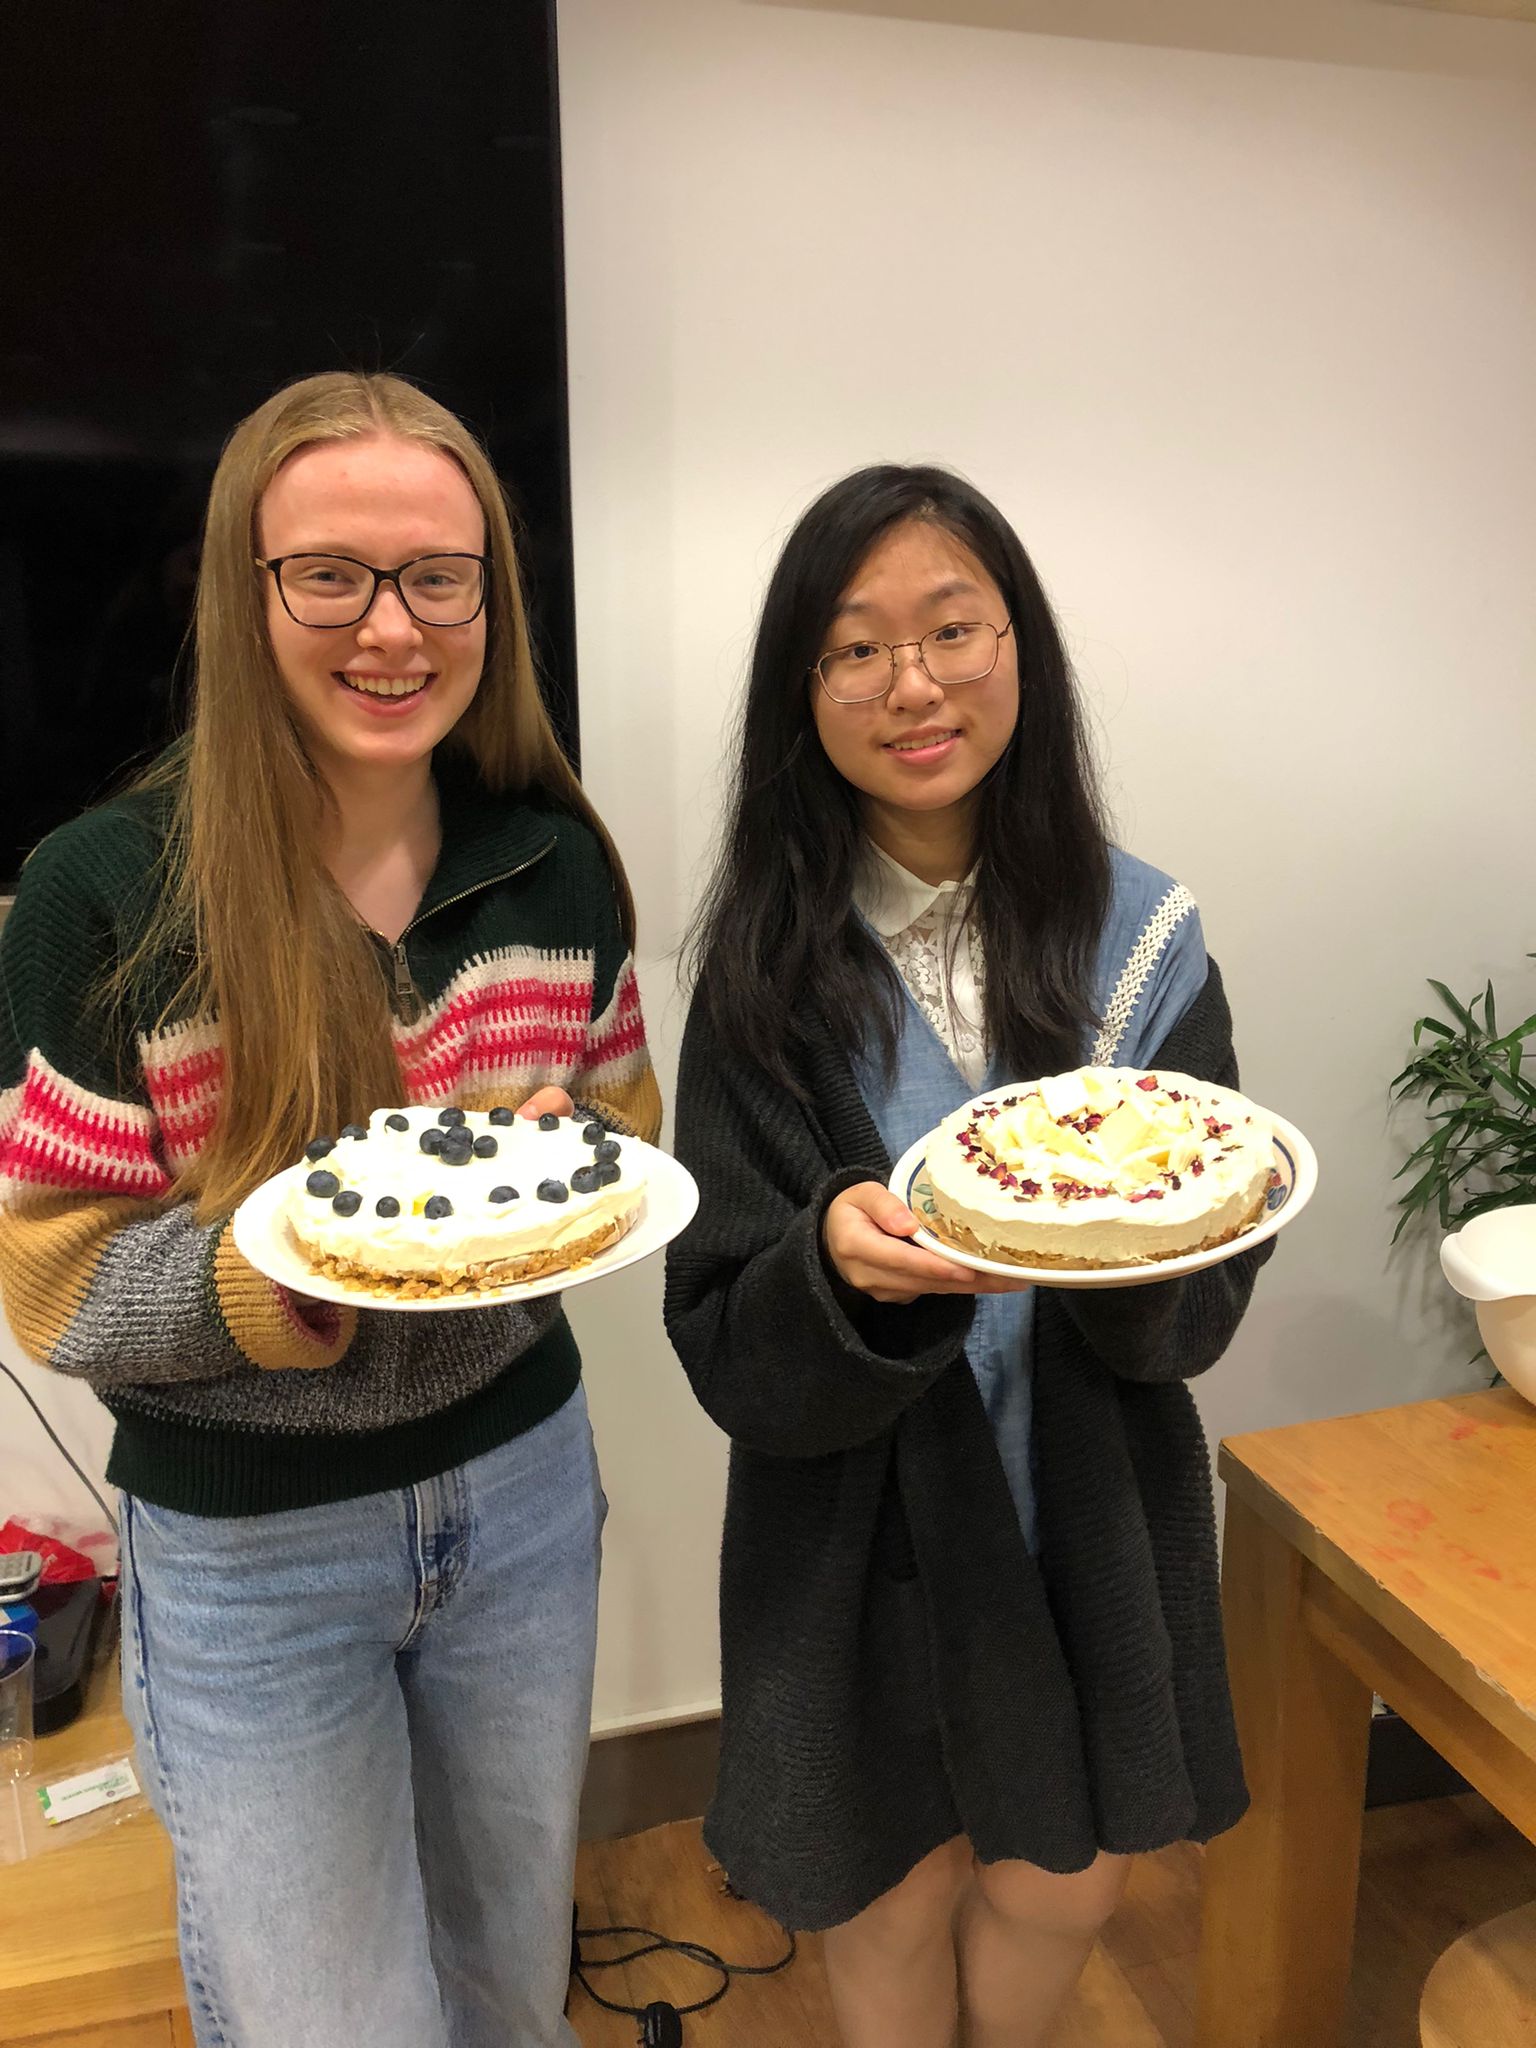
pixel 422 1212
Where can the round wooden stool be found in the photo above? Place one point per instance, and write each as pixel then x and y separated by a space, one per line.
pixel 1482 1992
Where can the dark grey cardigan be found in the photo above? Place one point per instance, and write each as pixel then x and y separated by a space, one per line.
pixel 896 1668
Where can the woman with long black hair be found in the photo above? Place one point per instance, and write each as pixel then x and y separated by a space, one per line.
pixel 971 1641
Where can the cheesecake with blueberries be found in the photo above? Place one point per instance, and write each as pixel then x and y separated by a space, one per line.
pixel 430 1201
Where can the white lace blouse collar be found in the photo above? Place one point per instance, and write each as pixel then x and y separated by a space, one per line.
pixel 892 898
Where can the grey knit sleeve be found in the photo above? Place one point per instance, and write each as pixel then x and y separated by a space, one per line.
pixel 778 1356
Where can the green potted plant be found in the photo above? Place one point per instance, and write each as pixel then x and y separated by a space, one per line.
pixel 1475 1170
pixel 1480 1153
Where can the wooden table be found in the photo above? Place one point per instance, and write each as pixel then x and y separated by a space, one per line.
pixel 88 1935
pixel 1392 1553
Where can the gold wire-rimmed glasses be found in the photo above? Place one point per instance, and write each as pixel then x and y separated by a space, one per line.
pixel 961 651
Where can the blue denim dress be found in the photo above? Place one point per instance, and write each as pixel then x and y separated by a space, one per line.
pixel 1150 967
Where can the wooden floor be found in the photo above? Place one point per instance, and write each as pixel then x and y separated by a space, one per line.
pixel 1431 1870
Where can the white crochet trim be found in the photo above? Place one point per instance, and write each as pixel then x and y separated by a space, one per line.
pixel 1137 972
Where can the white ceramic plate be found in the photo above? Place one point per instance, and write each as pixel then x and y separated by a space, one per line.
pixel 1290 1191
pixel 262 1235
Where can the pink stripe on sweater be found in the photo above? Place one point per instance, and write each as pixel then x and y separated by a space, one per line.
pixel 60 1135
pixel 512 1030
pixel 557 1003
pixel 169 1080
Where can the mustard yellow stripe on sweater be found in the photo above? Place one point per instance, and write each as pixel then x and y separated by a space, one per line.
pixel 633 1105
pixel 274 1328
pixel 50 1248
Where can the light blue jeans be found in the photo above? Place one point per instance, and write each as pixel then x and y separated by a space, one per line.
pixel 364 1727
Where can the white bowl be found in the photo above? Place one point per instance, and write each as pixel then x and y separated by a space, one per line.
pixel 1492 1261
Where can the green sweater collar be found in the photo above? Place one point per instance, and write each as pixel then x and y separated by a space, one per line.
pixel 486 835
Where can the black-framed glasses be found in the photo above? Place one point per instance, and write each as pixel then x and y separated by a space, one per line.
pixel 963 651
pixel 337 590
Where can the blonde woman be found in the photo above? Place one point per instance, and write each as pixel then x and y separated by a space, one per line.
pixel 360 1550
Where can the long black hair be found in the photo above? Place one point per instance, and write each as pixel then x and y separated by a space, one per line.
pixel 777 937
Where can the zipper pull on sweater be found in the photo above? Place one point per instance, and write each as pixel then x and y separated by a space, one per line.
pixel 405 995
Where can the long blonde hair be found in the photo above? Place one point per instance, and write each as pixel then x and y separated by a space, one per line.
pixel 278 955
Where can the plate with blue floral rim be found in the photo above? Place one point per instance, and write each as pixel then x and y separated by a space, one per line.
pixel 1292 1183
pixel 262 1235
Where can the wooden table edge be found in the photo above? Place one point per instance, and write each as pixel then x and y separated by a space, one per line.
pixel 1513 1718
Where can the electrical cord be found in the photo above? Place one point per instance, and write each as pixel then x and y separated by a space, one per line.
pixel 661 2023
pixel 52 1434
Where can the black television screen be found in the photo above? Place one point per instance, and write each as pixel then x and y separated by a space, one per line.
pixel 202 202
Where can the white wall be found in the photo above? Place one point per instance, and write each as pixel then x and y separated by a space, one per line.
pixel 1251 379
pixel 36 1485
pixel 1251 375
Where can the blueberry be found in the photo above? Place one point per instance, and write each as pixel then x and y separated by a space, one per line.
pixel 348 1202
pixel 502 1195
pixel 318 1147
pixel 432 1141
pixel 386 1205
pixel 397 1123
pixel 354 1130
pixel 584 1181
pixel 450 1117
pixel 486 1147
pixel 437 1205
pixel 607 1152
pixel 607 1173
pixel 547 1122
pixel 594 1133
pixel 457 1154
pixel 322 1183
pixel 554 1191
pixel 501 1116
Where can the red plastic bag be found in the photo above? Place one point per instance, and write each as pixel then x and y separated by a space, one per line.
pixel 62 1565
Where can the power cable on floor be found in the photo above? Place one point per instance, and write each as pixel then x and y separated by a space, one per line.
pixel 661 2023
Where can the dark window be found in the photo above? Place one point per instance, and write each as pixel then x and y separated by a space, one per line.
pixel 201 201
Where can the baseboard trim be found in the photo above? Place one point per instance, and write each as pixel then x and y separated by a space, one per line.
pixel 641 1777
pixel 642 1724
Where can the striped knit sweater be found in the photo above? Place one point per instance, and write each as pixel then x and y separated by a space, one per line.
pixel 520 979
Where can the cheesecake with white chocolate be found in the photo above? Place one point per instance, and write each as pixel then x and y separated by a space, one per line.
pixel 1100 1167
